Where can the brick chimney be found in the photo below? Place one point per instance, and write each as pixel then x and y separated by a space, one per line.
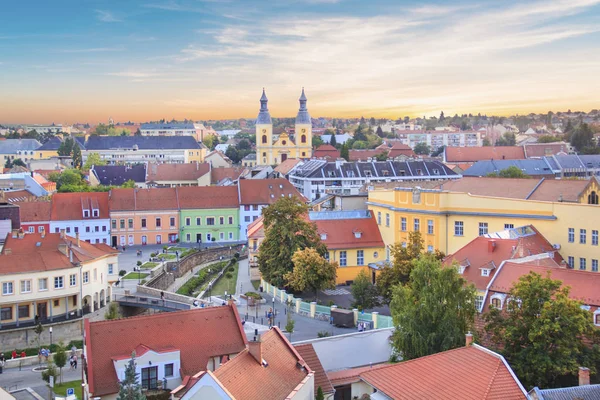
pixel 21 233
pixel 468 339
pixel 491 246
pixel 584 376
pixel 62 233
pixel 255 349
pixel 77 238
pixel 43 232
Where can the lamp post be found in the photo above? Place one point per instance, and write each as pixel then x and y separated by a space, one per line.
pixel 138 270
pixel 50 330
pixel 273 324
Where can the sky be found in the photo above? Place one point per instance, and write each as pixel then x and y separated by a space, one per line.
pixel 68 61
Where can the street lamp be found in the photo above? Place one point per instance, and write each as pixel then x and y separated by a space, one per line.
pixel 139 270
pixel 50 330
pixel 273 324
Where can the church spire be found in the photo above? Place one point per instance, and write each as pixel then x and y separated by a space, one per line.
pixel 263 115
pixel 303 116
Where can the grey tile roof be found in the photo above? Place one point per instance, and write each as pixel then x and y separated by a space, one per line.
pixel 142 142
pixel 530 167
pixel 374 169
pixel 52 144
pixel 586 392
pixel 9 146
pixel 119 174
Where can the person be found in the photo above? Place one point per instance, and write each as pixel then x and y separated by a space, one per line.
pixel 14 354
pixel 123 248
pixel 73 351
pixel 162 296
pixel 23 355
pixel 71 363
pixel 75 362
pixel 195 303
pixel 361 327
pixel 270 317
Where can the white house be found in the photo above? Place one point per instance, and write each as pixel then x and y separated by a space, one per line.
pixel 85 214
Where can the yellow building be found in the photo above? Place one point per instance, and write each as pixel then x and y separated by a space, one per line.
pixel 566 212
pixel 274 149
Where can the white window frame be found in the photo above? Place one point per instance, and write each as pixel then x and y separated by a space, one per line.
pixel 430 227
pixel 403 224
pixel 59 282
pixel 483 228
pixel 360 257
pixel 86 277
pixel 459 226
pixel 25 281
pixel 343 258
pixel 72 280
pixel 45 285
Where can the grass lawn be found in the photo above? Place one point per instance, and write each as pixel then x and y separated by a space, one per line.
pixel 148 265
pixel 166 256
pixel 61 390
pixel 256 285
pixel 226 284
pixel 135 275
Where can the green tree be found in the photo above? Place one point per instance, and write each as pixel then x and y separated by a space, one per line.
pixel 422 149
pixel 210 141
pixel 66 147
pixel 345 152
pixel 38 330
pixel 92 159
pixel 18 162
pixel 433 311
pixel 364 293
pixel 510 172
pixel 508 139
pixel 289 326
pixel 286 231
pixel 543 332
pixel 113 311
pixel 77 158
pixel 316 141
pixel 486 142
pixel 333 140
pixel 379 132
pixel 360 134
pixel 129 184
pixel 359 145
pixel 233 154
pixel 138 132
pixel 548 139
pixel 50 371
pixel 129 386
pixel 383 156
pixel 581 137
pixel 60 358
pixel 311 272
pixel 319 395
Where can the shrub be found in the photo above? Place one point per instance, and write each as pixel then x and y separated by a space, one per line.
pixel 139 263
pixel 152 255
pixel 231 269
pixel 122 272
pixel 229 275
pixel 143 282
pixel 253 295
pixel 322 334
pixel 236 255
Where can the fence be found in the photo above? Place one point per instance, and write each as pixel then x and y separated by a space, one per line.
pixel 314 310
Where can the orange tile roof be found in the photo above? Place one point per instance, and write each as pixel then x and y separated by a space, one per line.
pixel 362 155
pixel 309 355
pixel 472 154
pixel 285 167
pixel 352 375
pixel 326 150
pixel 256 229
pixel 208 197
pixel 176 172
pixel 466 373
pixel 494 187
pixel 217 174
pixel 341 233
pixel 143 199
pixel 245 378
pixel 399 149
pixel 559 190
pixel 545 149
pixel 14 196
pixel 69 206
pixel 198 334
pixel 265 191
pixel 34 211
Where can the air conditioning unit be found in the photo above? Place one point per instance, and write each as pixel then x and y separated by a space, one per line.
pixel 556 246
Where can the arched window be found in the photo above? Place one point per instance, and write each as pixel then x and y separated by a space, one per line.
pixel 264 154
pixel 264 139
pixel 593 198
pixel 303 138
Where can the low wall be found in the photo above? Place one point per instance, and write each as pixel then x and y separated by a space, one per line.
pixel 161 280
pixel 201 257
pixel 27 361
pixel 168 295
pixel 22 338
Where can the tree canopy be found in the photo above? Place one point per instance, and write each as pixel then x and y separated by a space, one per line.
pixel 93 159
pixel 364 293
pixel 508 139
pixel 129 388
pixel 510 172
pixel 311 271
pixel 433 311
pixel 422 149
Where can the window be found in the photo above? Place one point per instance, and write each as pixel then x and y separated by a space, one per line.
pixel 111 269
pixel 103 228
pixel 379 217
pixel 95 213
pixel 86 213
pixel 158 222
pixel 247 218
pixel 593 198
pixel 95 274
pixel 172 222
pixel 72 280
pixel 255 207
pixel 264 139
pixel 86 277
pixel 571 235
pixel 230 220
pixel 230 235
pixel 496 303
pixel 594 238
pixel 387 219
pixel 40 229
pixel 143 222
pixel 571 262
pixel 459 228
pixel 68 229
pixel 478 302
pixel 343 258
pixel 210 220
pixel 168 370
pixel 122 224
pixel 403 224
pixel 483 228
pixel 430 226
pixel 221 220
pixel 360 257
pixel 326 255
pixel 417 224
pixel 130 223
pixel 24 311
pixel 430 249
pixel 7 288
pixel 485 272
pixel 303 140
pixel 149 377
pixel 188 221
pixel 87 229
pixel 56 230
pixel 31 229
pixel 582 236
pixel 188 237
pixel 246 208
pixel 26 286
pixel 56 303
pixel 6 313
pixel 43 284
pixel 96 229
pixel 582 263
pixel 114 224
pixel 59 282
pixel 209 237
pixel 594 265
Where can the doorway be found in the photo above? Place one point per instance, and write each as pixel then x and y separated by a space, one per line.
pixel 158 239
pixel 113 241
pixel 198 238
pixel 42 311
pixel 283 157
pixel 144 240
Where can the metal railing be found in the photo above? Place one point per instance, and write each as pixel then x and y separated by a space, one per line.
pixel 151 302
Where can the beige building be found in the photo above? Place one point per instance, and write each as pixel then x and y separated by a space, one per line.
pixel 173 175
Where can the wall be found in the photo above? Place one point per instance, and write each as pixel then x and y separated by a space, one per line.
pixel 102 236
pixel 351 270
pixel 11 212
pixel 202 257
pixel 305 390
pixel 25 337
pixel 248 214
pixel 134 236
pixel 214 230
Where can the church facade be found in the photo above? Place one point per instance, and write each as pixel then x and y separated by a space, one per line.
pixel 274 149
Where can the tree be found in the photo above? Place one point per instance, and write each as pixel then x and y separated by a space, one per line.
pixel 77 158
pixel 311 271
pixel 316 141
pixel 93 159
pixel 383 156
pixel 113 311
pixel 50 371
pixel 233 154
pixel 581 137
pixel 361 133
pixel 433 311
pixel 543 333
pixel 18 162
pixel 286 231
pixel 129 387
pixel 289 326
pixel 548 139
pixel 210 141
pixel 66 147
pixel 365 294
pixel 60 358
pixel 38 330
pixel 568 127
pixel 486 142
pixel 333 140
pixel 344 152
pixel 244 144
pixel 508 139
pixel 510 172
pixel 441 119
pixel 379 132
pixel 319 395
pixel 129 184
pixel 422 149
pixel 137 132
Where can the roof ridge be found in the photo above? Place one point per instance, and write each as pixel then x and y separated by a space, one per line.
pixel 492 379
pixel 149 316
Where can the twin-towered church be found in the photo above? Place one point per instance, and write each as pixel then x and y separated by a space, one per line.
pixel 274 149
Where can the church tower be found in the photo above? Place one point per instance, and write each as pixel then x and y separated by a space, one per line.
pixel 264 133
pixel 303 130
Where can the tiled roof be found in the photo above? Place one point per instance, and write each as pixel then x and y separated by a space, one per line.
pixel 143 199
pixel 256 229
pixel 309 355
pixel 119 174
pixel 52 144
pixel 265 191
pixel 399 149
pixel 586 392
pixel 34 211
pixel 362 155
pixel 34 253
pixel 559 190
pixel 326 150
pixel 533 167
pixel 467 373
pixel 495 187
pixel 70 206
pixel 341 233
pixel 142 142
pixel 177 172
pixel 217 174
pixel 171 125
pixel 194 197
pixel 11 146
pixel 198 334
pixel 285 167
pixel 351 375
pixel 472 154
pixel 13 196
pixel 245 378
pixel 584 285
pixel 545 149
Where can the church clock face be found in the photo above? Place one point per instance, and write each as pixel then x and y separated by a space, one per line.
pixel 303 130
pixel 264 131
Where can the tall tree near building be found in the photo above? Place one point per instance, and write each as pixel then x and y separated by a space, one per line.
pixel 77 158
pixel 508 139
pixel 364 293
pixel 510 172
pixel 544 335
pixel 129 386
pixel 345 152
pixel 60 358
pixel 441 119
pixel 66 147
pixel 311 272
pixel 93 159
pixel 333 140
pixel 582 137
pixel 379 132
pixel 286 231
pixel 433 311
pixel 422 149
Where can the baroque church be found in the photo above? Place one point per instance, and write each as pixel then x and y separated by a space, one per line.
pixel 274 149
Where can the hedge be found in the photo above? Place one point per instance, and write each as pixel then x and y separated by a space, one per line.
pixel 33 351
pixel 191 285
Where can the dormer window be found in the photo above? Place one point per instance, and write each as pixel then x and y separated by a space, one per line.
pixel 385 172
pixel 323 236
pixel 485 272
pixel 86 213
pixel 419 172
pixel 436 171
pixel 95 213
pixel 368 174
pixel 358 234
pixel 461 269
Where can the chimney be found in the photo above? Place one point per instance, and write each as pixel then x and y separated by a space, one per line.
pixel 468 339
pixel 15 233
pixel 491 246
pixel 255 349
pixel 62 233
pixel 43 232
pixel 7 251
pixel 70 255
pixel 77 237
pixel 21 233
pixel 584 376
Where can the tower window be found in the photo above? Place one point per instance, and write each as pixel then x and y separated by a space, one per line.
pixel 284 142
pixel 264 138
pixel 264 154
pixel 303 138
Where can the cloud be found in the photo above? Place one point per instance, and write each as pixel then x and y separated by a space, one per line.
pixel 106 16
pixel 94 50
pixel 133 74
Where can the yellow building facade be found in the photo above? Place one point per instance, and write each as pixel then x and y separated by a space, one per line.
pixel 449 219
pixel 274 149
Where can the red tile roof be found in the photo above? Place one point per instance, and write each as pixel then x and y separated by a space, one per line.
pixel 362 155
pixel 352 375
pixel 309 355
pixel 256 229
pixel 208 197
pixel 326 150
pixel 560 190
pixel 70 206
pixel 467 373
pixel 399 149
pixel 265 191
pixel 472 154
pixel 143 199
pixel 34 211
pixel 176 172
pixel 535 150
pixel 217 174
pixel 14 196
pixel 341 233
pixel 285 167
pixel 245 378
pixel 198 334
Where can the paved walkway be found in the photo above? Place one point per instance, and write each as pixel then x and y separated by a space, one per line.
pixel 244 284
pixel 13 379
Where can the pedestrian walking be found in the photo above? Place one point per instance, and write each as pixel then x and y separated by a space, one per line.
pixel 162 296
pixel 71 363
pixel 75 362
